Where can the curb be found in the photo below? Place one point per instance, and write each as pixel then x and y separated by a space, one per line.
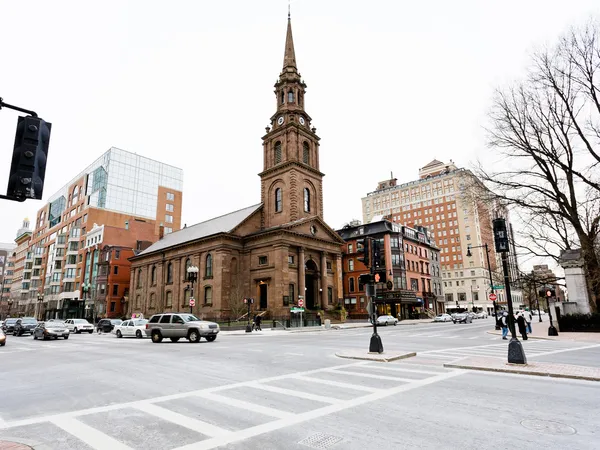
pixel 522 372
pixel 378 357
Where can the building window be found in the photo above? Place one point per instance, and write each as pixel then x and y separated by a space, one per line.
pixel 290 97
pixel 152 300
pixel 137 302
pixel 170 273
pixel 208 272
pixel 208 295
pixel 116 270
pixel 188 263
pixel 350 248
pixel 117 254
pixel 113 306
pixel 462 297
pixel 168 218
pixel 290 259
pixel 350 265
pixel 153 276
pixel 277 152
pixel 330 295
pixel 328 265
pixel 169 207
pixel 139 278
pixel 306 200
pixel 115 289
pixel 305 152
pixel 169 299
pixel 170 197
pixel 351 284
pixel 292 294
pixel 278 201
pixel 282 97
pixel 168 230
pixel 262 260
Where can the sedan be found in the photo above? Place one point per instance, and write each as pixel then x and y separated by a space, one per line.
pixel 2 338
pixel 462 318
pixel 107 325
pixel 51 330
pixel 443 318
pixel 387 320
pixel 131 328
pixel 481 315
pixel 24 325
pixel 9 325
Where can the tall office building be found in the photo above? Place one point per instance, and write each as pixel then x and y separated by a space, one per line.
pixel 444 200
pixel 6 274
pixel 120 199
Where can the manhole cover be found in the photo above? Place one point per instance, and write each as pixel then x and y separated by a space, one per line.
pixel 320 441
pixel 548 427
pixel 13 446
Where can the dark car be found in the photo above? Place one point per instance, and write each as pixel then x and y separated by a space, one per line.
pixel 107 325
pixel 24 325
pixel 462 318
pixel 9 325
pixel 51 330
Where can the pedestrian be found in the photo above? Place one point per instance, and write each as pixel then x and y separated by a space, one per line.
pixel 504 325
pixel 528 319
pixel 522 325
pixel 257 321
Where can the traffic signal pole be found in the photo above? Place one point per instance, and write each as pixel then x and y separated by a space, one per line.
pixel 375 345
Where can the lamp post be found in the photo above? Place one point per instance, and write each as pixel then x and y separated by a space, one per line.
pixel 86 296
pixel 40 300
pixel 192 273
pixel 516 354
pixel 10 302
pixel 487 254
pixel 551 329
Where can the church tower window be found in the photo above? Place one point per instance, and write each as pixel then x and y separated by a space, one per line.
pixel 306 200
pixel 278 201
pixel 290 97
pixel 277 152
pixel 305 152
pixel 282 97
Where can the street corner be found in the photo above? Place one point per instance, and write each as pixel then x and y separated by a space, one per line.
pixel 543 369
pixel 386 356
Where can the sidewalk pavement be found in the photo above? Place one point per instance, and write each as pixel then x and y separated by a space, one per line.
pixel 535 368
pixel 540 331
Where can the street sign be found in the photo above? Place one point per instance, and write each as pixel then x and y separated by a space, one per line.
pixel 493 297
pixel 192 301
pixel 500 286
pixel 296 310
pixel 301 302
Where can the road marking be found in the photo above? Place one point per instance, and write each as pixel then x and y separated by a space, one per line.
pixel 368 375
pixel 180 419
pixel 314 414
pixel 403 369
pixel 254 407
pixel 571 349
pixel 294 393
pixel 336 383
pixel 294 354
pixel 88 435
pixel 253 350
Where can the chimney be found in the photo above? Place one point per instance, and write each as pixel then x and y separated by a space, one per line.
pixel 161 231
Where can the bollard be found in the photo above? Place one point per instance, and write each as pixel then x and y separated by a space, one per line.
pixel 327 323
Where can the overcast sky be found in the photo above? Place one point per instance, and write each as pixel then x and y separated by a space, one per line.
pixel 392 84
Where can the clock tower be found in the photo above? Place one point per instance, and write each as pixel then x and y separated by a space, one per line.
pixel 291 183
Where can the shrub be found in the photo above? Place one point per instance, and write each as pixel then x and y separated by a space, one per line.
pixel 580 322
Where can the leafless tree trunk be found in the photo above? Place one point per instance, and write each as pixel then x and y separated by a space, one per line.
pixel 236 299
pixel 546 131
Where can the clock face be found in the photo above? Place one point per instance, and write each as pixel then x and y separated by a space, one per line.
pixel 280 120
pixel 301 120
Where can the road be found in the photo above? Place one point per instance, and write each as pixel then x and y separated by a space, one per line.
pixel 283 390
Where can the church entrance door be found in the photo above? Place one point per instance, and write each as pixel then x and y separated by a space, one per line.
pixel 263 296
pixel 310 282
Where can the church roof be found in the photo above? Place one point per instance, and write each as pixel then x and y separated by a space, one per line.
pixel 289 57
pixel 435 162
pixel 221 224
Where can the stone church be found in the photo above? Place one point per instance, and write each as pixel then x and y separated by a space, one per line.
pixel 276 251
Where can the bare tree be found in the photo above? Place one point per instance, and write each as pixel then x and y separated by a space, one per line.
pixel 236 300
pixel 546 129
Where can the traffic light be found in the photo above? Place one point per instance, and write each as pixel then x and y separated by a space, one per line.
pixel 380 276
pixel 376 252
pixel 362 248
pixel 365 279
pixel 30 152
pixel 500 235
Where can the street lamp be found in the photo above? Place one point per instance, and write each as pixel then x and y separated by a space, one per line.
pixel 487 254
pixel 192 273
pixel 40 300
pixel 10 302
pixel 86 289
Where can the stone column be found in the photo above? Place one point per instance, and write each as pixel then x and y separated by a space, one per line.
pixel 301 273
pixel 340 278
pixel 324 280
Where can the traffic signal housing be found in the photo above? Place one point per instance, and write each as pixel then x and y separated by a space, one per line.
pixel 376 261
pixel 362 248
pixel 30 153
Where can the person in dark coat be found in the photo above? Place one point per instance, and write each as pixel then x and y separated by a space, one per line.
pixel 257 321
pixel 522 323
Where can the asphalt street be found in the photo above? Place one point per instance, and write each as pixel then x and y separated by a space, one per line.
pixel 288 390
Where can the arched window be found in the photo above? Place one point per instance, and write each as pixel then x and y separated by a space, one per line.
pixel 282 98
pixel 169 273
pixel 207 295
pixel 139 278
pixel 305 153
pixel 153 276
pixel 291 97
pixel 169 299
pixel 351 287
pixel 278 200
pixel 277 152
pixel 208 272
pixel 152 300
pixel 306 200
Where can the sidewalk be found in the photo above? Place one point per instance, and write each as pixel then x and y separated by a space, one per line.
pixel 540 331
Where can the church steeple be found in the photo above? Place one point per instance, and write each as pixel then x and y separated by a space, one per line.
pixel 289 57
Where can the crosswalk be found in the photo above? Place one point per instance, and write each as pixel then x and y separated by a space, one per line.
pixel 207 418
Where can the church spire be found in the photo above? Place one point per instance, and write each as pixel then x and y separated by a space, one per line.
pixel 289 58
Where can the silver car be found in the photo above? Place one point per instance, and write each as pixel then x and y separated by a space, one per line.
pixel 180 325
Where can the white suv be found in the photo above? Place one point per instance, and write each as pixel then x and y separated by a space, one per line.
pixel 79 325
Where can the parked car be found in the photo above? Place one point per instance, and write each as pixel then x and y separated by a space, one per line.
pixel 78 325
pixel 107 325
pixel 9 325
pixel 2 338
pixel 131 328
pixel 180 325
pixel 462 318
pixel 481 315
pixel 48 330
pixel 443 318
pixel 387 320
pixel 24 325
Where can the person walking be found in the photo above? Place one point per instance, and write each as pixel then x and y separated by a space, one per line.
pixel 522 325
pixel 257 321
pixel 528 319
pixel 504 325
